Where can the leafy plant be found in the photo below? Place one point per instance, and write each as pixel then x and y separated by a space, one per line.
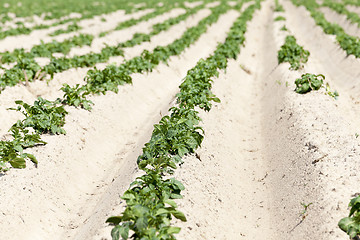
pixel 351 224
pixel 292 53
pixel 12 151
pixel 283 28
pixel 44 116
pixel 278 7
pixel 71 28
pixel 309 82
pixel 76 96
pixel 279 18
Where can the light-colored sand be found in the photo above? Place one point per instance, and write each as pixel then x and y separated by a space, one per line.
pixel 267 151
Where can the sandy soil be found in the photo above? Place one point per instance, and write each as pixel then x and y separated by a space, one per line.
pixel 267 152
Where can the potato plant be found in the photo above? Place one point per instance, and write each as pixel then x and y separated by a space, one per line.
pixel 351 224
pixel 293 53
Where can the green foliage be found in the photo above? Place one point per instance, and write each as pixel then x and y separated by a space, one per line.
pixel 278 7
pixel 283 28
pixel 71 28
pixel 309 82
pixel 47 49
pixel 12 151
pixel 279 18
pixel 351 224
pixel 76 96
pixel 44 116
pixel 293 53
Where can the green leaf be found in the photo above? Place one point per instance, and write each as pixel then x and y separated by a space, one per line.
pixel 171 203
pixel 120 231
pixel 18 163
pixel 179 215
pixel 114 220
pixel 141 223
pixel 161 211
pixel 32 158
pixel 173 230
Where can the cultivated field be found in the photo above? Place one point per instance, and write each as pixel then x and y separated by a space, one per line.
pixel 180 119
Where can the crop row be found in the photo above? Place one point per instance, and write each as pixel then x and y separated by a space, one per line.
pixel 26 63
pixel 46 116
pixel 340 8
pixel 150 204
pixel 347 42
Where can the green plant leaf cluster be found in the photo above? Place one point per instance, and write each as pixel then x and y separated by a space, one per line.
pixel 47 49
pixel 351 224
pixel 71 28
pixel 309 82
pixel 279 18
pixel 12 151
pixel 293 53
pixel 278 7
pixel 44 116
pixel 149 200
pixel 75 96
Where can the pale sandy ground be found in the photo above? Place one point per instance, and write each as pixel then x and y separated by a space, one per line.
pixel 353 9
pixel 266 151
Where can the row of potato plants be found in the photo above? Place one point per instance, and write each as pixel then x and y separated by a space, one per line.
pixel 46 49
pixel 46 116
pixel 350 44
pixel 340 8
pixel 27 68
pixel 150 204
